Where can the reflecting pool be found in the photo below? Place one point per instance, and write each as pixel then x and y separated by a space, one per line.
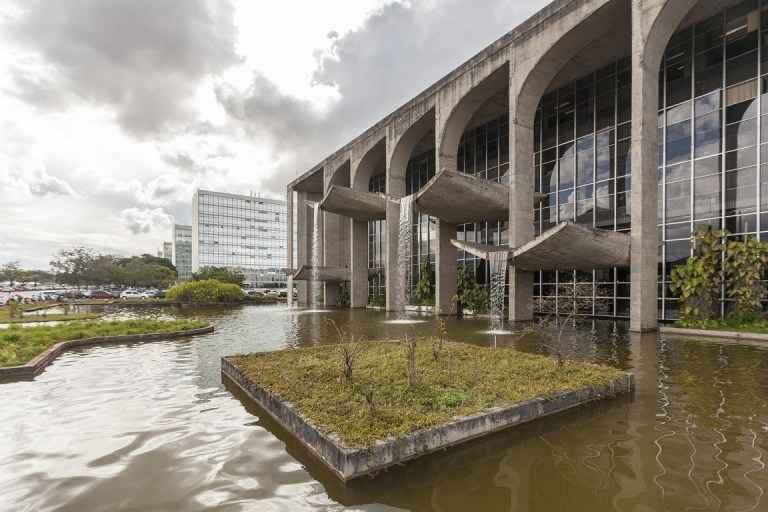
pixel 149 426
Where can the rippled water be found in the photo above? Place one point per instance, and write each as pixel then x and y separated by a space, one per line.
pixel 150 427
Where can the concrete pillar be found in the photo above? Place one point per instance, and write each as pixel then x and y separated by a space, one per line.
pixel 520 228
pixel 445 271
pixel 303 238
pixel 645 101
pixel 289 263
pixel 332 243
pixel 358 293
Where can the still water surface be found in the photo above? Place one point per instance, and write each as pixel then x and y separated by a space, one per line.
pixel 151 427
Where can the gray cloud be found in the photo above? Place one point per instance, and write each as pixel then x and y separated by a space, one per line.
pixel 46 184
pixel 144 58
pixel 399 51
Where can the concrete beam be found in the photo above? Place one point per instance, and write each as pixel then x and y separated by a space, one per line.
pixel 355 204
pixel 564 247
pixel 324 274
pixel 358 293
pixel 457 198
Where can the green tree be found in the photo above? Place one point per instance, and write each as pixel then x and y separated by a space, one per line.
pixel 11 272
pixel 71 266
pixel 222 274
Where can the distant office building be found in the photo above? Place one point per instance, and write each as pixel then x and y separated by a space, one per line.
pixel 182 251
pixel 167 251
pixel 243 233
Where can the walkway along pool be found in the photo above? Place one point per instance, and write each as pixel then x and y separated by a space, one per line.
pixel 150 426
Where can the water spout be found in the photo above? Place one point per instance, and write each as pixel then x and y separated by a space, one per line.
pixel 497 263
pixel 404 243
pixel 315 286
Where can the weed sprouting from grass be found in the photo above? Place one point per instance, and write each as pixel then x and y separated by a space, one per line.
pixel 348 351
pixel 409 347
pixel 437 342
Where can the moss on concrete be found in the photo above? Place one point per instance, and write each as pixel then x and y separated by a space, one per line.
pixel 464 380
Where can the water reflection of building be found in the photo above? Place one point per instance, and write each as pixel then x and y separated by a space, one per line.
pixel 565 103
pixel 244 233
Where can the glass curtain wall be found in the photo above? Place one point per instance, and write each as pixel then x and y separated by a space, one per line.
pixel 376 279
pixel 483 152
pixel 582 168
pixel 711 165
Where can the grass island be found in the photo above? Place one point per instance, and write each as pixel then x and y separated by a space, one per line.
pixel 25 350
pixel 403 400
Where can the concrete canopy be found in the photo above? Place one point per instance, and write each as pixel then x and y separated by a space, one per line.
pixel 457 198
pixel 324 274
pixel 354 204
pixel 565 246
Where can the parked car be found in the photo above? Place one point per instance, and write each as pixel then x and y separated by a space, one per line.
pixel 100 294
pixel 47 296
pixel 133 294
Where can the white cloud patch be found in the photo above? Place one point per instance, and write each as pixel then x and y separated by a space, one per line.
pixel 144 221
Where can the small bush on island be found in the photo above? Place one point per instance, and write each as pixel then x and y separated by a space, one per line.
pixel 20 345
pixel 208 291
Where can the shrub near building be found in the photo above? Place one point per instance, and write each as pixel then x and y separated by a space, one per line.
pixel 205 292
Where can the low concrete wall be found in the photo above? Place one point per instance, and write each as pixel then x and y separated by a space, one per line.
pixel 37 364
pixel 707 333
pixel 350 463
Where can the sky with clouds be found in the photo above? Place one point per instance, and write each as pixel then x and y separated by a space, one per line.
pixel 115 111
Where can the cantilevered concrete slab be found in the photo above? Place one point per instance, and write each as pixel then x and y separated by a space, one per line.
pixel 354 204
pixel 565 246
pixel 324 274
pixel 457 198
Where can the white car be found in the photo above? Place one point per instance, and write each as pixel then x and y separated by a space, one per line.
pixel 133 294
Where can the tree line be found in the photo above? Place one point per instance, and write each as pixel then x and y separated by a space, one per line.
pixel 81 266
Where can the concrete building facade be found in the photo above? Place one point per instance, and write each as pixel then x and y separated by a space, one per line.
pixel 243 233
pixel 182 251
pixel 167 252
pixel 590 142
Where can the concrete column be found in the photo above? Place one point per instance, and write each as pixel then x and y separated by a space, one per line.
pixel 303 238
pixel 289 263
pixel 445 271
pixel 520 228
pixel 645 101
pixel 358 293
pixel 332 242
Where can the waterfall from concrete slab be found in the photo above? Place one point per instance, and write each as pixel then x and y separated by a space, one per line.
pixel 497 264
pixel 315 286
pixel 404 243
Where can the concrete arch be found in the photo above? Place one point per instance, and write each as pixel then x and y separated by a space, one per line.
pixel 372 161
pixel 340 172
pixel 400 148
pixel 459 103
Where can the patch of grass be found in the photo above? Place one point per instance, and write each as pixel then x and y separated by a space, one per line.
pixel 5 315
pixel 759 325
pixel 19 345
pixel 465 379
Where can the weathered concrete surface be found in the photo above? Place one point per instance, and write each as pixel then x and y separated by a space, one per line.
pixel 445 273
pixel 289 248
pixel 565 246
pixel 324 274
pixel 457 198
pixel 349 463
pixel 354 204
pixel 40 361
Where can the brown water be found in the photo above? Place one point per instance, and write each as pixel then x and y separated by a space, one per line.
pixel 150 427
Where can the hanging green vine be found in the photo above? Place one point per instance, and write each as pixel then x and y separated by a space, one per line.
pixel 424 292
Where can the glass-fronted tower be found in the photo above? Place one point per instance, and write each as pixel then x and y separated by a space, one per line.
pixel 243 233
pixel 182 251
